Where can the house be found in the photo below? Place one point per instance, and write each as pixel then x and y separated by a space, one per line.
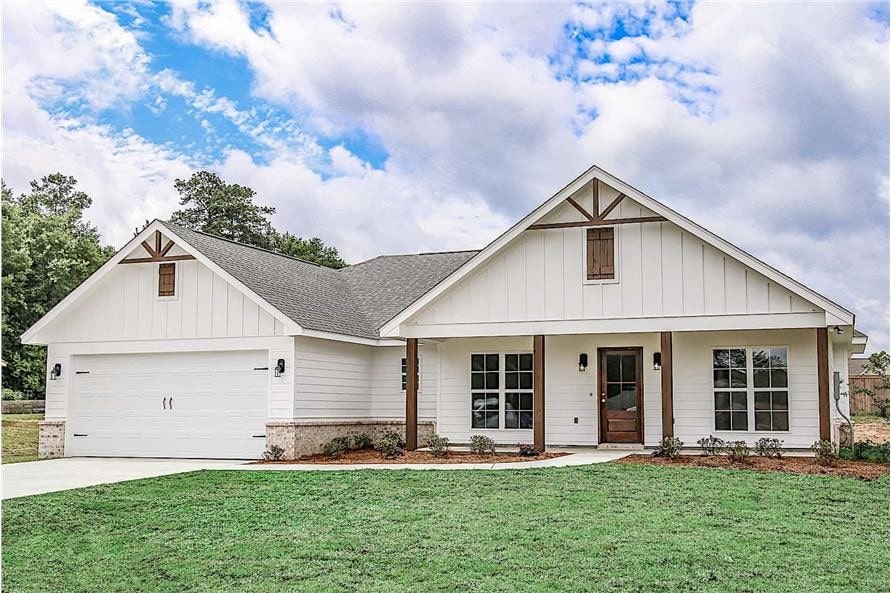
pixel 601 318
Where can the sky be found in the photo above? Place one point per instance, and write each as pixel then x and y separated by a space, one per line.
pixel 396 128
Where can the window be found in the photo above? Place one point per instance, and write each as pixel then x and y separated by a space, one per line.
pixel 518 391
pixel 485 392
pixel 404 374
pixel 601 253
pixel 166 280
pixel 751 384
pixel 771 381
pixel 501 388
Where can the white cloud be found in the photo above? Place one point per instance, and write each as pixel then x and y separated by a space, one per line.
pixel 769 132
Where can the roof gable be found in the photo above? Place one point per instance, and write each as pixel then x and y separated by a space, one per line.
pixel 558 210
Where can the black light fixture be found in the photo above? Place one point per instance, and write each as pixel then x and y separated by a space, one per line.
pixel 583 362
pixel 657 361
pixel 56 371
pixel 280 367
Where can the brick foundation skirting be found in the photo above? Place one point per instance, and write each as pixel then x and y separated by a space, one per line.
pixel 51 438
pixel 299 438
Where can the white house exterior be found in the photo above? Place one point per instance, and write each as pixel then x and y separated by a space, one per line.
pixel 603 317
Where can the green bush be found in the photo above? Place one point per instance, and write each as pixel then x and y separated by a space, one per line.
pixel 766 447
pixel 528 450
pixel 481 445
pixel 738 451
pixel 12 394
pixel 866 451
pixel 711 445
pixel 362 441
pixel 669 447
pixel 336 447
pixel 274 453
pixel 439 445
pixel 825 452
pixel 390 445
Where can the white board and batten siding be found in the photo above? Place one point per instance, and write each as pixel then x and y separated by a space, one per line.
pixel 662 271
pixel 124 306
pixel 345 381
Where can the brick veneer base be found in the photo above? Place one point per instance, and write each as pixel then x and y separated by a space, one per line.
pixel 51 439
pixel 299 438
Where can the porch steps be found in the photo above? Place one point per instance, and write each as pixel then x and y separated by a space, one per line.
pixel 621 446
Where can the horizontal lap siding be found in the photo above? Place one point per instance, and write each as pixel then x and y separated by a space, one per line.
pixel 569 394
pixel 332 379
pixel 693 392
pixel 387 397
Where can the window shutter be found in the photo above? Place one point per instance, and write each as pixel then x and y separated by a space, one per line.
pixel 166 279
pixel 601 253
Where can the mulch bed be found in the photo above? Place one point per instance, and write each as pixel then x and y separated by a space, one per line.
pixel 372 456
pixel 861 470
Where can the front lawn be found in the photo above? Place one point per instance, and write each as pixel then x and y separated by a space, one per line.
pixel 20 437
pixel 605 527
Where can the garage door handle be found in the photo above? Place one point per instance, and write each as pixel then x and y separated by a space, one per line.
pixel 170 403
pixel 259 436
pixel 79 435
pixel 164 403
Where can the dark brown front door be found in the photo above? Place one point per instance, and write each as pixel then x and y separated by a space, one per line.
pixel 621 395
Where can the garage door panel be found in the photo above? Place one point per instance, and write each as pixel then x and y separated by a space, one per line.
pixel 123 404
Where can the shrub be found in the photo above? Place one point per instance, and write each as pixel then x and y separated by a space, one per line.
pixel 362 441
pixel 766 447
pixel 481 444
pixel 669 447
pixel 390 445
pixel 439 445
pixel 336 447
pixel 825 452
pixel 738 451
pixel 12 394
pixel 528 450
pixel 711 445
pixel 273 453
pixel 866 451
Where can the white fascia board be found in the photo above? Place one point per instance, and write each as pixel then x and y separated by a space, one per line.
pixel 616 326
pixel 310 333
pixel 29 336
pixel 845 316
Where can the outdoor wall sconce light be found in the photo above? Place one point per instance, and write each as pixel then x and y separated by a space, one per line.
pixel 583 362
pixel 280 367
pixel 56 371
pixel 657 361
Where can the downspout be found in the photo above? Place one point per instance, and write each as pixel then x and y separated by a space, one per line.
pixel 836 394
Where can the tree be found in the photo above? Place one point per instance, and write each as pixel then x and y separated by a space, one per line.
pixel 48 250
pixel 228 210
pixel 877 364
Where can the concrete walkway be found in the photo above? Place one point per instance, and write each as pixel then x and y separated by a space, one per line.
pixel 40 477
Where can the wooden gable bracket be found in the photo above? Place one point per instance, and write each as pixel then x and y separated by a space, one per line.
pixel 597 218
pixel 157 253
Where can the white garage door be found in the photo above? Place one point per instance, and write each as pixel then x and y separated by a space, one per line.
pixel 191 405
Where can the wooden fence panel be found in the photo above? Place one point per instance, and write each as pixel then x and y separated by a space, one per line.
pixel 861 403
pixel 24 406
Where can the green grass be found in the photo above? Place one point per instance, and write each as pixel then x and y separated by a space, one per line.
pixel 20 437
pixel 868 419
pixel 594 528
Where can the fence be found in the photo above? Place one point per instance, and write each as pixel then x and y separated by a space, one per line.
pixel 861 403
pixel 24 406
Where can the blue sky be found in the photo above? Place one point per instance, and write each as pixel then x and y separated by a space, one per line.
pixel 419 127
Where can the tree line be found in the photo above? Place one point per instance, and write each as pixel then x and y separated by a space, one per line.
pixel 49 248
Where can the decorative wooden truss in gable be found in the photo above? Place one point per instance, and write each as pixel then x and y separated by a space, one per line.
pixel 157 253
pixel 598 217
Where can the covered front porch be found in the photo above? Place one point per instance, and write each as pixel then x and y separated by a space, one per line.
pixel 617 389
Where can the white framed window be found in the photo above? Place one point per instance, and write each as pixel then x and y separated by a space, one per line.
pixel 404 374
pixel 501 391
pixel 750 389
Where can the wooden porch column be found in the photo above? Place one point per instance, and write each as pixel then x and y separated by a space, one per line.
pixel 411 394
pixel 823 382
pixel 538 392
pixel 667 387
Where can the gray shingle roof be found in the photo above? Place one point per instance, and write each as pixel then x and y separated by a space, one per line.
pixel 354 301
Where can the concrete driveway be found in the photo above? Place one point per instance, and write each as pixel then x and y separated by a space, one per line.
pixel 52 475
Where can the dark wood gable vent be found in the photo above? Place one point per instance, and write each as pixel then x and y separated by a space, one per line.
pixel 601 253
